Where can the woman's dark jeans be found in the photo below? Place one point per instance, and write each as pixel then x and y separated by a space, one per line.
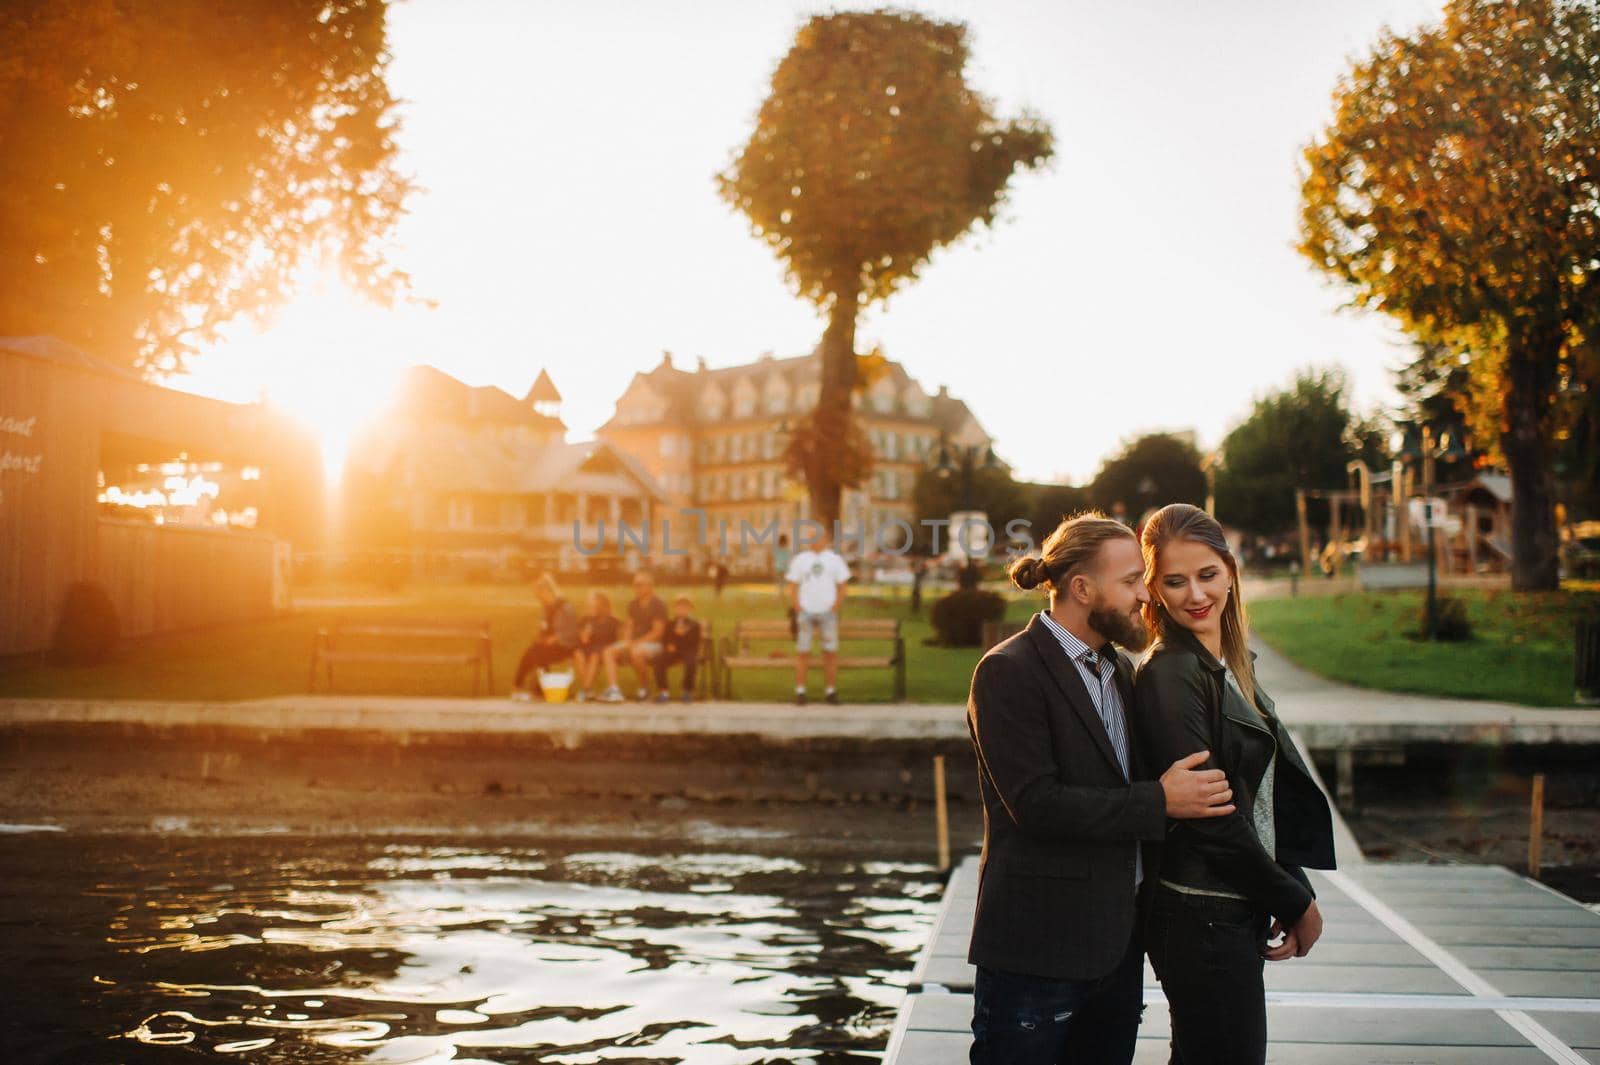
pixel 535 658
pixel 1033 1020
pixel 1207 953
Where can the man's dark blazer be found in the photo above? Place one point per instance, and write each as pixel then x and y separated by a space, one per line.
pixel 1060 822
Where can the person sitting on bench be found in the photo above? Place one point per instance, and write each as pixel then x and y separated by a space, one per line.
pixel 680 647
pixel 597 630
pixel 555 642
pixel 647 621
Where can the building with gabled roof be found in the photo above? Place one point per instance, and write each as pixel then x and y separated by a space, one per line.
pixel 472 477
pixel 713 440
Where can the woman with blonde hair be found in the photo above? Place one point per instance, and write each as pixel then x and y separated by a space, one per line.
pixel 557 638
pixel 1229 887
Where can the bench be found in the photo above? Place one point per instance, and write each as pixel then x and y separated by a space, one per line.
pixel 736 652
pixel 464 644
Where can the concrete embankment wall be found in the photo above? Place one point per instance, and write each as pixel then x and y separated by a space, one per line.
pixel 130 772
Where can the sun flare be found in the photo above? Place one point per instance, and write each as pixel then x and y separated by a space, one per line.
pixel 330 360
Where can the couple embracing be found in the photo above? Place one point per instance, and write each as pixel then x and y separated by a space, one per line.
pixel 1160 810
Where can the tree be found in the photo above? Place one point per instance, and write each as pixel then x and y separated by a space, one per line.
pixel 1435 392
pixel 1151 471
pixel 1301 437
pixel 167 166
pixel 870 152
pixel 1457 189
pixel 1049 503
pixel 934 497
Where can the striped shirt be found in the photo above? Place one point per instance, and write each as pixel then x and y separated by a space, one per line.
pixel 1099 674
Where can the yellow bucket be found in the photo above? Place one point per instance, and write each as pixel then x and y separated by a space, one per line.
pixel 555 685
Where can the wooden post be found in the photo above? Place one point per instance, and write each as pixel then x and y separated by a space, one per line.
pixel 1470 531
pixel 1344 778
pixel 1536 824
pixel 1402 511
pixel 1305 531
pixel 941 813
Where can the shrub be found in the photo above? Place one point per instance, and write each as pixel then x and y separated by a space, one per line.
pixel 87 632
pixel 1450 621
pixel 958 618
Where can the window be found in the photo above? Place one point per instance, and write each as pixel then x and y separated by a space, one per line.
pixel 777 397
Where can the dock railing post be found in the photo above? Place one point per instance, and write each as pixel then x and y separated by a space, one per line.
pixel 1344 778
pixel 941 813
pixel 1536 825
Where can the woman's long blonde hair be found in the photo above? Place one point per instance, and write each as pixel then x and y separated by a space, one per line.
pixel 1180 521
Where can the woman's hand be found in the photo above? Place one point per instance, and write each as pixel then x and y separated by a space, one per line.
pixel 1298 939
pixel 1307 930
pixel 1284 950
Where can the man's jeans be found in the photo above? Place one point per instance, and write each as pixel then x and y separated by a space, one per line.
pixel 1033 1020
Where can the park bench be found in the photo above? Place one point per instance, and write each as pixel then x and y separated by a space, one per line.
pixel 738 651
pixel 402 642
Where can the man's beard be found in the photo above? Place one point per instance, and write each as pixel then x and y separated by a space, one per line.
pixel 1125 629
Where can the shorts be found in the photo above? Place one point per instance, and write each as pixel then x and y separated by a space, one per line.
pixel 828 623
pixel 649 648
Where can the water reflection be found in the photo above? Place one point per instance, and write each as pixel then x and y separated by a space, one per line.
pixel 338 950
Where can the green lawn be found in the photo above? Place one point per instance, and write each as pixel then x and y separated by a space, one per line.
pixel 1521 651
pixel 270 658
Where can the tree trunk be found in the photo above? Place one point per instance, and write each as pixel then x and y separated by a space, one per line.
pixel 1530 380
pixel 832 414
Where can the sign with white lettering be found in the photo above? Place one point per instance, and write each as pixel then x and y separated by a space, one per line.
pixel 20 462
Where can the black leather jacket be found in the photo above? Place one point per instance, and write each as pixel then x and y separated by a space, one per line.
pixel 1183 704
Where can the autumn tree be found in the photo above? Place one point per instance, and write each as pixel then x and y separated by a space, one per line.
pixel 1435 393
pixel 1457 188
pixel 870 152
pixel 168 165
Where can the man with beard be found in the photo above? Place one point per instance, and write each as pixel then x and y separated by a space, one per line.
pixel 1068 808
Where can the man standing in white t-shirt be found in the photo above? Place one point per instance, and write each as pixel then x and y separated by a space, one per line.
pixel 816 579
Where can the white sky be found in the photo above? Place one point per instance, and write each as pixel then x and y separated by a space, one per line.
pixel 568 218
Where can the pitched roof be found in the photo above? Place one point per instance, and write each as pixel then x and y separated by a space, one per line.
pixel 543 390
pixel 430 392
pixel 950 413
pixel 681 388
pixel 53 349
pixel 455 458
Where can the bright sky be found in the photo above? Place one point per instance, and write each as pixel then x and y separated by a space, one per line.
pixel 568 218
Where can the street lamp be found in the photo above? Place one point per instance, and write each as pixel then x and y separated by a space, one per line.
pixel 963 460
pixel 1428 450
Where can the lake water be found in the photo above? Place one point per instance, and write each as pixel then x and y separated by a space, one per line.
pixel 269 948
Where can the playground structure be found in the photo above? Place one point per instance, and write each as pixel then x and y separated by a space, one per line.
pixel 1472 521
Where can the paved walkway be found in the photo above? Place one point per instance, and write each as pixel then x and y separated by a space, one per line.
pixel 1329 715
pixel 1324 714
pixel 1457 965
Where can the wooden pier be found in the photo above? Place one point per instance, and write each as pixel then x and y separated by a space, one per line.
pixel 1450 965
